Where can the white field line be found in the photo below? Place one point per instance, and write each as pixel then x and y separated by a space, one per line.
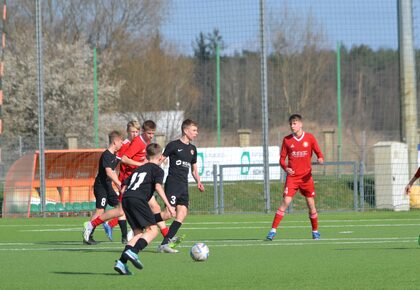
pixel 243 228
pixel 286 240
pixel 234 222
pixel 237 243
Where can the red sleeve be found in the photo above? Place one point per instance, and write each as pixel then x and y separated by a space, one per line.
pixel 134 148
pixel 122 150
pixel 417 175
pixel 283 154
pixel 316 148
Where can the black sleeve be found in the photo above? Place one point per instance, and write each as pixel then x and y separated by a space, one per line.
pixel 159 175
pixel 194 158
pixel 107 160
pixel 169 149
pixel 127 180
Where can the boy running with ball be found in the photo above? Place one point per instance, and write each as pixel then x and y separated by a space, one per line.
pixel 141 185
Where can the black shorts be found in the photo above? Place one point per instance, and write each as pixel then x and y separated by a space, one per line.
pixel 138 213
pixel 176 192
pixel 105 195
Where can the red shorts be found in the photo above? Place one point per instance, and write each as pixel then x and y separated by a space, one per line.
pixel 305 184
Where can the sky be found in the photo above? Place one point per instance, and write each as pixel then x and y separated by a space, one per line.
pixel 351 22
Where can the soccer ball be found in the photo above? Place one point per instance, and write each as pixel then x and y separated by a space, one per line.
pixel 199 252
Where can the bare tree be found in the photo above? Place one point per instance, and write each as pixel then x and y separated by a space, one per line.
pixel 106 24
pixel 156 79
pixel 298 62
pixel 68 89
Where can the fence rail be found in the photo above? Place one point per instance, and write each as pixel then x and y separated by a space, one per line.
pixel 229 195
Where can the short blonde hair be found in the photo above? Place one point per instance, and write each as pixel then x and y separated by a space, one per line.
pixel 133 124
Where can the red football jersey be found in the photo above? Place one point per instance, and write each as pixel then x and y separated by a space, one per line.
pixel 123 167
pixel 299 153
pixel 135 151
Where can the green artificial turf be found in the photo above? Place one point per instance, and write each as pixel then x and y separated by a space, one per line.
pixel 373 250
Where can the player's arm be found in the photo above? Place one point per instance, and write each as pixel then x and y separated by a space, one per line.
pixel 126 160
pixel 196 175
pixel 318 151
pixel 412 180
pixel 135 147
pixel 113 176
pixel 162 158
pixel 161 192
pixel 283 155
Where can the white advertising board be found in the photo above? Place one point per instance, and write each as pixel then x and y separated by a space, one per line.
pixel 207 157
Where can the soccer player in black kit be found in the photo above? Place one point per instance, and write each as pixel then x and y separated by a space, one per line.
pixel 182 157
pixel 104 193
pixel 140 187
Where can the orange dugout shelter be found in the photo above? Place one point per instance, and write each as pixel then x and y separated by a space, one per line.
pixel 69 178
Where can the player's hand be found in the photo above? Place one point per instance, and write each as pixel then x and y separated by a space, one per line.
pixel 321 160
pixel 290 171
pixel 172 211
pixel 200 187
pixel 407 189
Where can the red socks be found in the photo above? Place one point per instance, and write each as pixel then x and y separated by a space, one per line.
pixel 164 231
pixel 112 223
pixel 314 221
pixel 96 222
pixel 277 219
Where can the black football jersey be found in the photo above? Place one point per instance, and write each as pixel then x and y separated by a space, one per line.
pixel 181 157
pixel 142 183
pixel 107 160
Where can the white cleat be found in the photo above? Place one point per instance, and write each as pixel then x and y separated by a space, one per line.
pixel 166 249
pixel 87 231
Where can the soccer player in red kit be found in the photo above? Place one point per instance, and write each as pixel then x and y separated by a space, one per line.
pixel 133 131
pixel 298 148
pixel 135 156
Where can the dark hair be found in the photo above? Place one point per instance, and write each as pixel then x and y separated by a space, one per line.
pixel 187 123
pixel 148 125
pixel 113 135
pixel 295 117
pixel 153 149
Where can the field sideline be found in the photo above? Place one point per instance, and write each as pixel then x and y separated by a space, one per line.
pixel 374 250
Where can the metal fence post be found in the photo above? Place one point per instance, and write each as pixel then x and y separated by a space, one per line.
pixel 355 177
pixel 362 186
pixel 216 194
pixel 222 196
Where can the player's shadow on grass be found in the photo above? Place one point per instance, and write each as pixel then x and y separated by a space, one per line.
pixel 364 249
pixel 86 273
pixel 87 250
pixel 64 243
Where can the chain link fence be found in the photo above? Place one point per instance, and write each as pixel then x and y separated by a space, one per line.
pixel 201 59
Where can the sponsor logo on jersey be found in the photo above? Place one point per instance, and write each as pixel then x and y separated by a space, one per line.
pixel 292 146
pixel 183 163
pixel 299 154
pixel 179 150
